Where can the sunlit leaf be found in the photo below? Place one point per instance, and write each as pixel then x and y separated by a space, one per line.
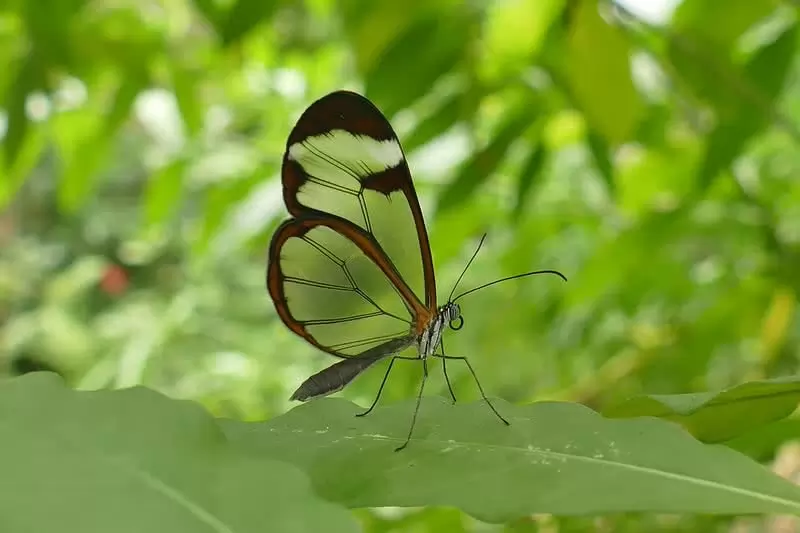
pixel 599 74
pixel 138 461
pixel 555 458
pixel 721 23
pixel 716 417
pixel 514 32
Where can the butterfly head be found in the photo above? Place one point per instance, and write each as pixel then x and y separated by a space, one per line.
pixel 452 314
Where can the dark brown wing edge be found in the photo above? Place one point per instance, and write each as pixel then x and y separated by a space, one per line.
pixel 337 376
pixel 297 227
pixel 352 112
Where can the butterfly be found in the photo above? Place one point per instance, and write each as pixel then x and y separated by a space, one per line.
pixel 351 271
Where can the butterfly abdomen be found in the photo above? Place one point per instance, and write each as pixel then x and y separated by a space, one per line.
pixel 333 379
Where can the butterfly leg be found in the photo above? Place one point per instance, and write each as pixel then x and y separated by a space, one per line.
pixel 416 409
pixel 380 389
pixel 446 377
pixel 477 382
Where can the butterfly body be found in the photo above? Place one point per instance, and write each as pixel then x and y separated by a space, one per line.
pixel 431 336
pixel 335 377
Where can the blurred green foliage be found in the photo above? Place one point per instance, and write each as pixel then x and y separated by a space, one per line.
pixel 654 162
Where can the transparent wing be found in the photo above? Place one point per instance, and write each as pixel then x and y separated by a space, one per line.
pixel 331 286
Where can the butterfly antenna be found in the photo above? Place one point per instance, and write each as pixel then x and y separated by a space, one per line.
pixel 471 259
pixel 555 272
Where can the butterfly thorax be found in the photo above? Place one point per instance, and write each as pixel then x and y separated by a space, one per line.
pixel 431 336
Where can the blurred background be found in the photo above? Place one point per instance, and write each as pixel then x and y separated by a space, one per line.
pixel 646 148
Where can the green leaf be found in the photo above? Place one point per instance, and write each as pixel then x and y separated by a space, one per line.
pixel 132 461
pixel 670 172
pixel 89 154
pixel 716 417
pixel 443 118
pixel 701 49
pixel 244 16
pixel 483 163
pixel 721 23
pixel 28 78
pixel 762 443
pixel 763 79
pixel 513 34
pixel 599 75
pixel 220 200
pixel 163 193
pixel 212 13
pixel 48 24
pixel 185 84
pixel 701 65
pixel 25 161
pixel 599 150
pixel 529 175
pixel 557 458
pixel 372 26
pixel 131 84
pixel 409 66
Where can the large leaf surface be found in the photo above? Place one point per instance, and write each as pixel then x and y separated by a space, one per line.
pixel 556 458
pixel 133 461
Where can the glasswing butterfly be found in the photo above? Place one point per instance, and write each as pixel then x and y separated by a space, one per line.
pixel 351 272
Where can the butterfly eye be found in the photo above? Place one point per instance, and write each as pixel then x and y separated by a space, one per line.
pixel 457 323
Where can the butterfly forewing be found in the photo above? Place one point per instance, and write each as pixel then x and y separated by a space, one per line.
pixel 343 158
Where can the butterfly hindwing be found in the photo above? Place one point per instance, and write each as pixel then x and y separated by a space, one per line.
pixel 329 289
